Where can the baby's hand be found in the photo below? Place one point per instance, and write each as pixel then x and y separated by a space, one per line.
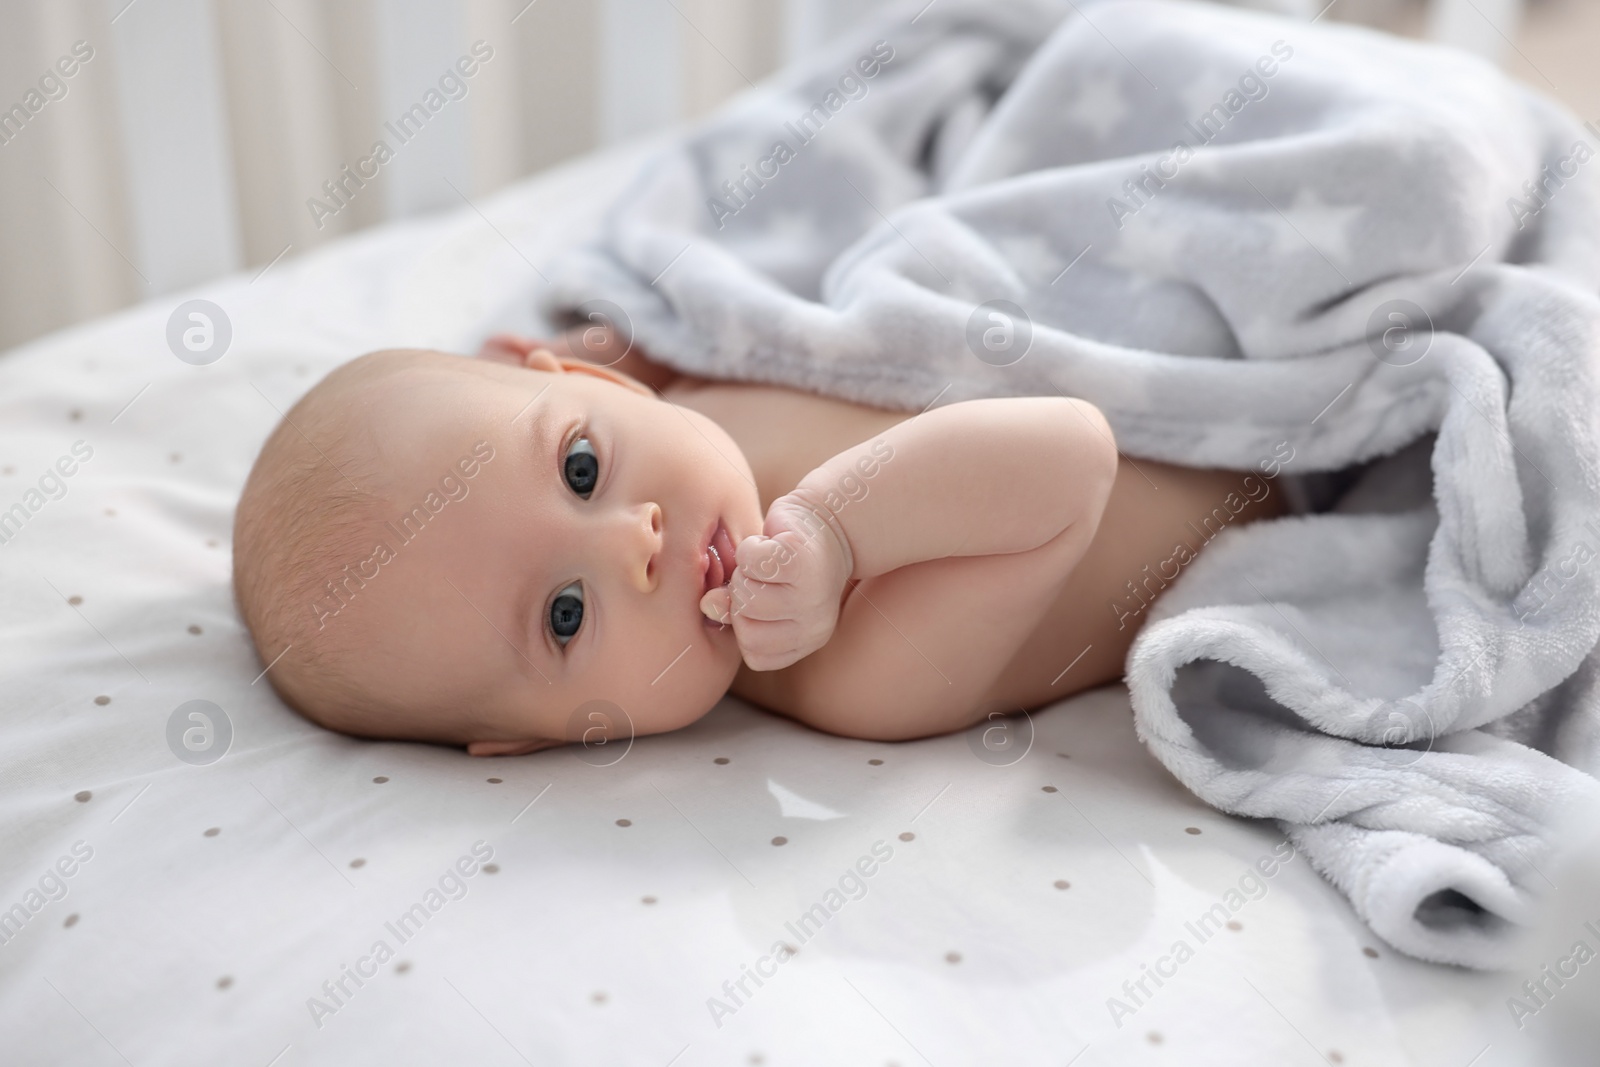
pixel 784 596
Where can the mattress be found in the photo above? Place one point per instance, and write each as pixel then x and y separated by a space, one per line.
pixel 245 887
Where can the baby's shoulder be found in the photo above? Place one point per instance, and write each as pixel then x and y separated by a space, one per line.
pixel 784 433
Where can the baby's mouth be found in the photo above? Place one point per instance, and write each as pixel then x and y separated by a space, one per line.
pixel 719 559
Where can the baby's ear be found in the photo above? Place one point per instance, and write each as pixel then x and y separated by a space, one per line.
pixel 509 748
pixel 519 352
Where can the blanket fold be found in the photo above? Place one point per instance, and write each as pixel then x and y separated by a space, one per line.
pixel 1363 268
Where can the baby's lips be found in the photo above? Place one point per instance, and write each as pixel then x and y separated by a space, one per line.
pixel 716 604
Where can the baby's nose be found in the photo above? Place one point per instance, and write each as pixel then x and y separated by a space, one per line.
pixel 642 552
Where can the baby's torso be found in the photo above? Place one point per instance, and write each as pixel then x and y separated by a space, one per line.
pixel 1158 518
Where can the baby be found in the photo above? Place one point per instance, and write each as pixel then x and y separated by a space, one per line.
pixel 563 541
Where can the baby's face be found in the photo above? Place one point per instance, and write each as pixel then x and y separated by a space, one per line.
pixel 572 568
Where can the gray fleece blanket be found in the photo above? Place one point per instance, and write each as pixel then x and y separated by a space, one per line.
pixel 1364 269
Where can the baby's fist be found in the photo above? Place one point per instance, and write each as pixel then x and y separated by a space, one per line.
pixel 784 595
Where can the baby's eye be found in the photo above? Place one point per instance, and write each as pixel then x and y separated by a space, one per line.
pixel 582 467
pixel 566 613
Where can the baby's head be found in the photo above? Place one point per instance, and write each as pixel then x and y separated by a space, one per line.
pixel 470 552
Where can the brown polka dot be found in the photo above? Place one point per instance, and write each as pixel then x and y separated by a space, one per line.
pixel 1048 788
pixel 908 836
pixel 491 868
pixel 211 542
pixel 102 700
pixel 720 760
pixel 75 415
pixel 598 998
pixel 74 600
pixel 176 457
pixel 111 512
pixel 358 862
pixel 756 1057
pixel 1062 883
pixel 82 796
pixel 224 982
pixel 792 950
pixel 780 840
pixel 624 822
pixel 381 779
pixel 10 469
pixel 875 762
pixel 212 831
pixel 648 900
pixel 1191 829
pixel 1063 755
pixel 70 921
pixel 1153 1037
pixel 1370 952
pixel 1334 1056
pixel 1234 924
pixel 402 967
pixel 496 781
pixel 952 957
pixel 194 629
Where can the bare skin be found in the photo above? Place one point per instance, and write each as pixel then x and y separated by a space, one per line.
pixel 972 589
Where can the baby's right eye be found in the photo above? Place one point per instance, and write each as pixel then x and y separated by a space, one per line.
pixel 581 468
pixel 566 613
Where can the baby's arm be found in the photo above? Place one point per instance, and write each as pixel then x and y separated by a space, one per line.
pixel 958 543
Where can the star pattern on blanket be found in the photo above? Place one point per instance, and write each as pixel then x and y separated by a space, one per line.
pixel 1311 220
pixel 1099 105
pixel 1035 259
pixel 1200 94
pixel 1144 247
pixel 786 229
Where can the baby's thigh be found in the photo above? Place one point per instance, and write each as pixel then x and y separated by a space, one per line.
pixel 917 650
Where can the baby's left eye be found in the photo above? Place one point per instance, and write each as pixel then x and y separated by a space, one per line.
pixel 581 467
pixel 566 613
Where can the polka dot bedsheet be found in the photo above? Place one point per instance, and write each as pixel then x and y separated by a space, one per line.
pixel 191 874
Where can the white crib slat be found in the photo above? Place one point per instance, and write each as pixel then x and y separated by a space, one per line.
pixel 418 41
pixel 641 64
pixel 1483 27
pixel 175 141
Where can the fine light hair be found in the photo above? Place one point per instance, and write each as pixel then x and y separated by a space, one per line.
pixel 307 510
